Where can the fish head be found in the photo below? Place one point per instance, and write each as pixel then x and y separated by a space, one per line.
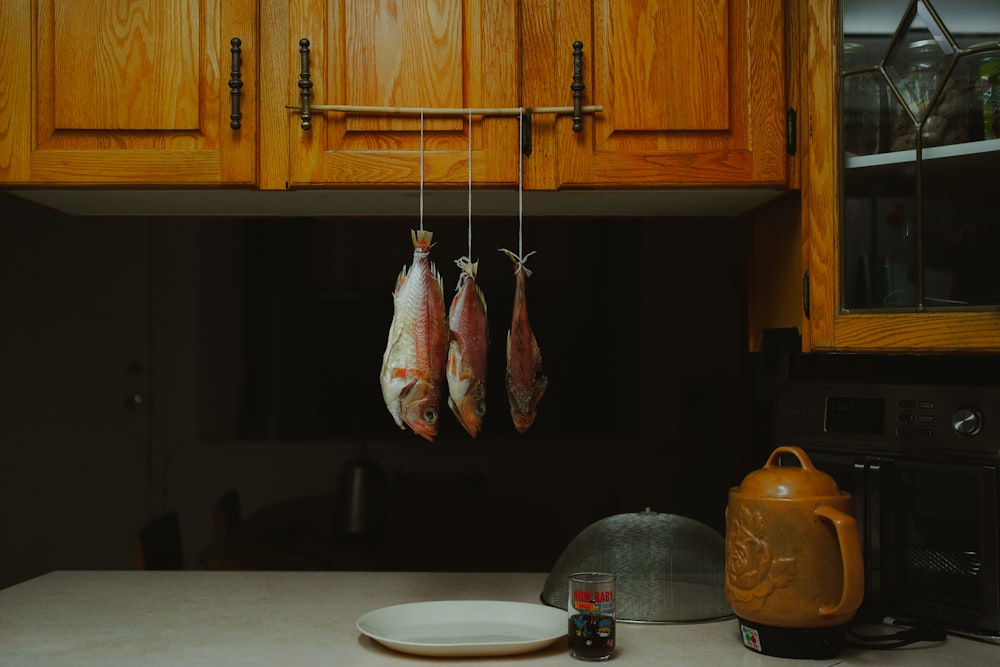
pixel 470 408
pixel 524 403
pixel 419 409
pixel 523 420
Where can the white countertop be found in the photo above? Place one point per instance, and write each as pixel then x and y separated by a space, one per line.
pixel 308 618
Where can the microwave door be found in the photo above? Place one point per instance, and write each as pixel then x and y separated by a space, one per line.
pixel 874 498
pixel 940 550
pixel 868 512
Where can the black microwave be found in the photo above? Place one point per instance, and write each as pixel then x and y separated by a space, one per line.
pixel 923 466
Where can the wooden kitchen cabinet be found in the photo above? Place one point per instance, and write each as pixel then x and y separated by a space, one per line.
pixel 97 93
pixel 693 92
pixel 134 93
pixel 804 270
pixel 445 54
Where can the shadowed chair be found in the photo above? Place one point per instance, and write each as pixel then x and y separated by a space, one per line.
pixel 157 545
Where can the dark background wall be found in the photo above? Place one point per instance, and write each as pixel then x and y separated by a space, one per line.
pixel 255 346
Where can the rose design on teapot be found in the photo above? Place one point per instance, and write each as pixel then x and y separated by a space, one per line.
pixel 751 570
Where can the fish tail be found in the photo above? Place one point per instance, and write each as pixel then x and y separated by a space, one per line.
pixel 467 266
pixel 422 238
pixel 519 262
pixel 467 269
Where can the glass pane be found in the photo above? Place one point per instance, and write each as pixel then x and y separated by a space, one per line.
pixel 866 120
pixel 961 231
pixel 985 119
pixel 917 65
pixel 872 24
pixel 879 243
pixel 970 22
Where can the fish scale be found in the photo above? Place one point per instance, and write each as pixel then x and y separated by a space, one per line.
pixel 468 347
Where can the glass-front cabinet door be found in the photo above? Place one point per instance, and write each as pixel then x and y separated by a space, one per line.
pixel 920 147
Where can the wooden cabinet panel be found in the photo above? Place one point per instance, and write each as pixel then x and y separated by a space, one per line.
pixel 693 92
pixel 444 54
pixel 131 92
pixel 133 68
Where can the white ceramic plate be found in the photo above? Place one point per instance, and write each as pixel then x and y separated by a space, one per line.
pixel 465 627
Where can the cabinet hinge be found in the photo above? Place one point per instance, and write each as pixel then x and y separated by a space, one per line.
pixel 791 131
pixel 526 134
pixel 805 293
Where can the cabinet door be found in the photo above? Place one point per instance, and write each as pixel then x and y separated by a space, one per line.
pixel 692 90
pixel 447 54
pixel 122 91
pixel 856 302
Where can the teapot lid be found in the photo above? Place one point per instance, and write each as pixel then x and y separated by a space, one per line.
pixel 777 481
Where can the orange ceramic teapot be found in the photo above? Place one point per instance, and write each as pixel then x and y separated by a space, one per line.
pixel 794 569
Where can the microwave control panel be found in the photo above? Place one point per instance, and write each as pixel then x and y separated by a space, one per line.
pixel 884 419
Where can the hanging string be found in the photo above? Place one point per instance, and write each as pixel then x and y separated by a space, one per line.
pixel 421 169
pixel 520 257
pixel 520 186
pixel 470 187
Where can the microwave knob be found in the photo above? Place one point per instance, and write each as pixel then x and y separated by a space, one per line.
pixel 967 422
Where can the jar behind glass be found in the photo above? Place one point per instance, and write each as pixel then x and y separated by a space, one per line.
pixel 947 122
pixel 862 104
pixel 989 85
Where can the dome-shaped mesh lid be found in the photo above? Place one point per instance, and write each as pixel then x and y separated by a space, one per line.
pixel 670 568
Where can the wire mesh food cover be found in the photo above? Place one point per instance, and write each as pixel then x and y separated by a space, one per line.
pixel 670 568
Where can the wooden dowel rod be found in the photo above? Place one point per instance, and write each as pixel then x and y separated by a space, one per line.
pixel 416 111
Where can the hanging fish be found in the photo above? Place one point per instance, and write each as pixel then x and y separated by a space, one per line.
pixel 468 336
pixel 412 374
pixel 525 382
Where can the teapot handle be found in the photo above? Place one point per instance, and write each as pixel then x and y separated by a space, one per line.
pixel 850 554
pixel 797 452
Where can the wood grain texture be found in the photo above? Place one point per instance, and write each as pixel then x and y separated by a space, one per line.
pixel 821 182
pixel 666 64
pixel 400 53
pixel 123 65
pixel 133 92
pixel 694 93
pixel 279 58
pixel 541 85
pixel 15 91
pixel 445 53
pixel 917 332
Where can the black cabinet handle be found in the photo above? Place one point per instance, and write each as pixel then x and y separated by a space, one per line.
pixel 305 84
pixel 235 83
pixel 577 86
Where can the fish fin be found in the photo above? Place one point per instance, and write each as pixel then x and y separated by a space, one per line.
pixel 400 279
pixel 422 238
pixel 458 370
pixel 482 300
pixel 454 358
pixel 437 279
pixel 408 387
